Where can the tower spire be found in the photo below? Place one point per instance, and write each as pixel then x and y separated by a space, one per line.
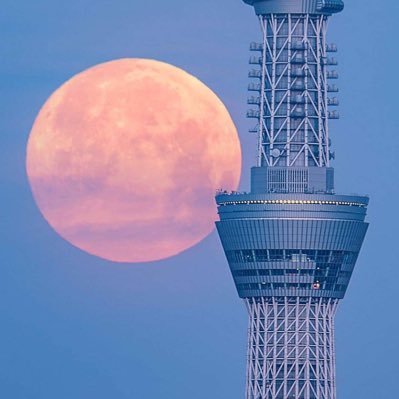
pixel 291 94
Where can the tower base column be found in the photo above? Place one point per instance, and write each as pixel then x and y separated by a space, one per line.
pixel 291 348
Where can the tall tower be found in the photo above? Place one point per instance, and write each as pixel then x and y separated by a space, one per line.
pixel 292 243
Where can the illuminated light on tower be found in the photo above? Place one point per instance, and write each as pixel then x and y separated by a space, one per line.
pixel 292 243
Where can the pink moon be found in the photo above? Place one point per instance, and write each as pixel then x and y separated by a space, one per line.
pixel 124 160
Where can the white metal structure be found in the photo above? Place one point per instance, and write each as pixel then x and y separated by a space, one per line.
pixel 292 115
pixel 291 242
pixel 291 348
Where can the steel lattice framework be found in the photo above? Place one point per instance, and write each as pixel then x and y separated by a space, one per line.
pixel 291 348
pixel 292 103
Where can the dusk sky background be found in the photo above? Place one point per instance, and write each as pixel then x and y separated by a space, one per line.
pixel 75 326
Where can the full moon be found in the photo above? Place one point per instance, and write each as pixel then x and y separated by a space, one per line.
pixel 124 160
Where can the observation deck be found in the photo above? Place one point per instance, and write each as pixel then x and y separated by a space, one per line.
pixel 291 245
pixel 326 7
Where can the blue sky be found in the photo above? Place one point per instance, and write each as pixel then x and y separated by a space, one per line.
pixel 74 326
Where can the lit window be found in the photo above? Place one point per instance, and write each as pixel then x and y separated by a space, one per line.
pixel 316 285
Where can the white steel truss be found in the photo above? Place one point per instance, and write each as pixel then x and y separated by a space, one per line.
pixel 291 348
pixel 292 91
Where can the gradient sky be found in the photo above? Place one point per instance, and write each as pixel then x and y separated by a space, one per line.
pixel 74 326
